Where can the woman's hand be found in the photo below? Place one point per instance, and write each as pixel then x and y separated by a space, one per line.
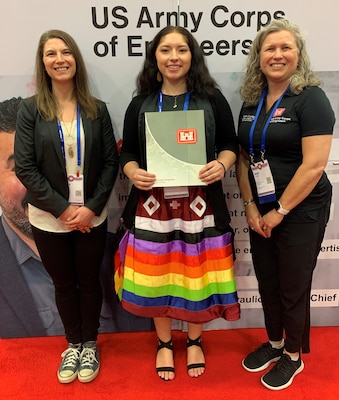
pixel 142 179
pixel 254 219
pixel 263 225
pixel 270 221
pixel 211 172
pixel 78 218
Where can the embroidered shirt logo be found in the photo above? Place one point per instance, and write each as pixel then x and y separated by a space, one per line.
pixel 187 136
pixel 279 112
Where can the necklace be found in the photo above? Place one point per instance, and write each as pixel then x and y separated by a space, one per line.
pixel 175 105
pixel 70 137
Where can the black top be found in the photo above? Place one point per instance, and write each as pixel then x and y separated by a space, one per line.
pixel 40 166
pixel 225 136
pixel 297 116
pixel 220 135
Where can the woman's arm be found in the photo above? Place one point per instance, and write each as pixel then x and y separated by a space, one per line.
pixel 106 161
pixel 315 150
pixel 226 145
pixel 29 124
pixel 216 170
pixel 253 215
pixel 130 158
pixel 140 178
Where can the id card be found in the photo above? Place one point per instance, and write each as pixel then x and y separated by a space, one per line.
pixel 264 181
pixel 76 189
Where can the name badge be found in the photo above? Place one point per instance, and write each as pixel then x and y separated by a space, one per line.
pixel 264 181
pixel 76 189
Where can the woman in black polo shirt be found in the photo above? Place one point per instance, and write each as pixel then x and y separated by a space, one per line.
pixel 285 132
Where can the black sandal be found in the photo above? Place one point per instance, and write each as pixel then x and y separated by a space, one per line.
pixel 167 345
pixel 194 342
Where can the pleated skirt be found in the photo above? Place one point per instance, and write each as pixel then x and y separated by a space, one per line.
pixel 177 263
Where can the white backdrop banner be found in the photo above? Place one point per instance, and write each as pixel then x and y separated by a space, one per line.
pixel 113 36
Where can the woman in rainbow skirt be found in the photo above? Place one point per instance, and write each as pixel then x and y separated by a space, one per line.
pixel 179 257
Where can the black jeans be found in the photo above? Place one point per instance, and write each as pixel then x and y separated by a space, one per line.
pixel 73 261
pixel 284 266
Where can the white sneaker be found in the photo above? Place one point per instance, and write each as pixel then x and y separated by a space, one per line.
pixel 68 370
pixel 89 362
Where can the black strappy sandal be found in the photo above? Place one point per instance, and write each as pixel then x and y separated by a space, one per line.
pixel 167 345
pixel 194 342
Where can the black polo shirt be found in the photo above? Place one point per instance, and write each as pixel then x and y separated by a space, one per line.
pixel 297 116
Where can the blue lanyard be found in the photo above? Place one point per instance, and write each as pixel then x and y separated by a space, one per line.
pixel 62 140
pixel 263 136
pixel 161 101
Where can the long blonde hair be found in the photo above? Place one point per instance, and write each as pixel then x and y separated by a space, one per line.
pixel 255 81
pixel 46 102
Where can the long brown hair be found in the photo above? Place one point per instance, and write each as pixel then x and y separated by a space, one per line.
pixel 46 102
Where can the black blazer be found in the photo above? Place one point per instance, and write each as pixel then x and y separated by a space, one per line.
pixel 39 162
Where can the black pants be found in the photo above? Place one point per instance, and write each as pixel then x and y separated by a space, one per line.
pixel 73 261
pixel 284 266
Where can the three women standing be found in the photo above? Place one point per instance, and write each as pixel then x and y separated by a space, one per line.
pixel 179 260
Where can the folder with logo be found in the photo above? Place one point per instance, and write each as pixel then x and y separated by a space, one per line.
pixel 175 147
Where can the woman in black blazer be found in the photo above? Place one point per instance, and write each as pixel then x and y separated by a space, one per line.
pixel 66 156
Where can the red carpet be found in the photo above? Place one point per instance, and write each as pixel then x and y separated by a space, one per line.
pixel 28 369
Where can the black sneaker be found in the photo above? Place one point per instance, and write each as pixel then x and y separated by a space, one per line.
pixel 282 374
pixel 261 357
pixel 89 362
pixel 68 370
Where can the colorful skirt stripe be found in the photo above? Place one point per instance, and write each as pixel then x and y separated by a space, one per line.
pixel 177 263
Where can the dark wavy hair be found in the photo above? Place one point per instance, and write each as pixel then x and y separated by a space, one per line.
pixel 199 80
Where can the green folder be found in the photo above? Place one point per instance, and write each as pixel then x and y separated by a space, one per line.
pixel 175 147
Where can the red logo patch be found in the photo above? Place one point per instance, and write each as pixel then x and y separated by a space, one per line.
pixel 279 112
pixel 187 136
